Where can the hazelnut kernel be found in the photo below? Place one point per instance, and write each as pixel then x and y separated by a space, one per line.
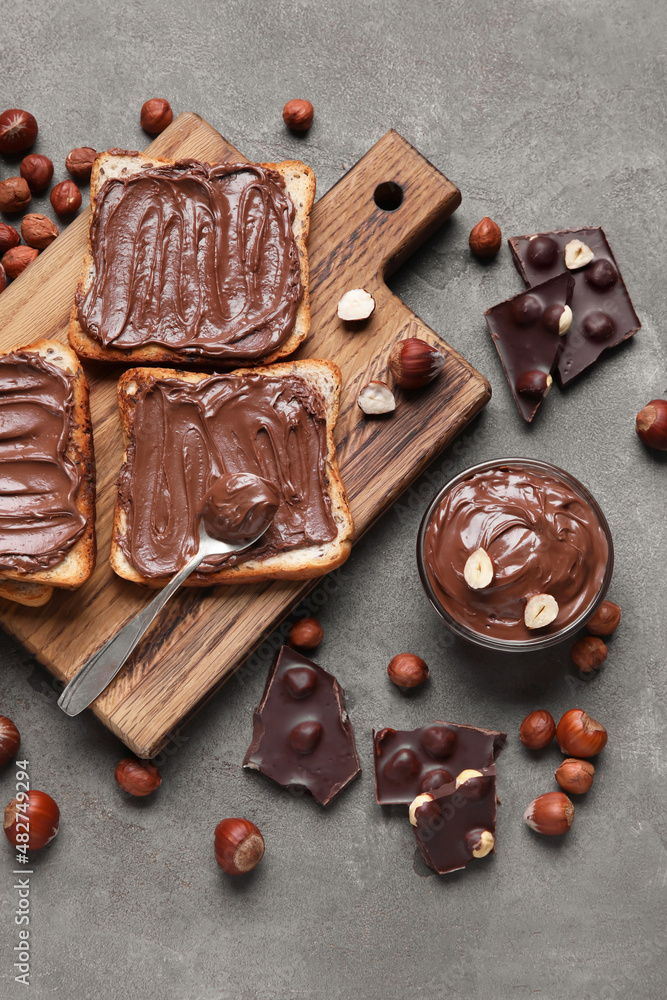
pixel 478 570
pixel 298 115
pixel 305 634
pixel 605 620
pixel 537 730
pixel 407 670
pixel 156 115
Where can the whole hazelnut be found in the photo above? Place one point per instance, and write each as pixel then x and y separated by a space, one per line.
pixel 305 634
pixel 38 231
pixel 138 777
pixel 37 171
pixel 575 776
pixel 18 130
pixel 65 198
pixel 605 620
pixel 298 115
pixel 407 670
pixel 10 739
pixel 39 813
pixel 9 238
pixel 485 239
pixel 588 653
pixel 414 363
pixel 156 115
pixel 537 730
pixel 550 814
pixel 14 194
pixel 579 735
pixel 652 424
pixel 238 846
pixel 17 259
pixel 80 161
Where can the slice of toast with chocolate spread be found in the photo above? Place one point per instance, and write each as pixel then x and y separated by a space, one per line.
pixel 190 262
pixel 47 530
pixel 182 431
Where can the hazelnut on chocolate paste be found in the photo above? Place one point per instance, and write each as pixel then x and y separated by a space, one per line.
pixel 239 507
pixel 541 537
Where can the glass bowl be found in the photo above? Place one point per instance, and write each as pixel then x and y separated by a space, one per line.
pixel 540 641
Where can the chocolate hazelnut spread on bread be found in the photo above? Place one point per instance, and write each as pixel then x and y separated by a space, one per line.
pixel 197 258
pixel 188 435
pixel 39 519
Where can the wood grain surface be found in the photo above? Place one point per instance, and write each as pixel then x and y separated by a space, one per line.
pixel 203 636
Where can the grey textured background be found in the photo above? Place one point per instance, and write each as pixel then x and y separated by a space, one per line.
pixel 546 115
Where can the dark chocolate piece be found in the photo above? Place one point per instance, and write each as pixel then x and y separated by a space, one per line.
pixel 457 825
pixel 302 736
pixel 408 762
pixel 603 314
pixel 525 330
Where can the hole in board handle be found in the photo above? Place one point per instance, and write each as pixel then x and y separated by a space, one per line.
pixel 388 196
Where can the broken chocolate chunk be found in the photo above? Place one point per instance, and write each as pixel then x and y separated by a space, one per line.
pixel 408 762
pixel 603 314
pixel 456 824
pixel 302 736
pixel 529 332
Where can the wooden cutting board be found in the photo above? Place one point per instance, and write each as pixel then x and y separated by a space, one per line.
pixel 203 636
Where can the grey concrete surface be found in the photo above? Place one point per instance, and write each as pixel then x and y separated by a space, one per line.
pixel 546 115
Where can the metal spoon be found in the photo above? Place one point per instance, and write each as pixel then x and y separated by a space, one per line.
pixel 102 667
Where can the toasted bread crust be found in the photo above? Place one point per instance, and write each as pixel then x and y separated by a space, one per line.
pixel 79 562
pixel 295 564
pixel 300 183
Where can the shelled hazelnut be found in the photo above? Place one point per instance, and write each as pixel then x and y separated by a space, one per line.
pixel 37 171
pixel 138 777
pixel 17 259
pixel 156 115
pixel 14 195
pixel 305 634
pixel 80 161
pixel 38 231
pixel 575 776
pixel 407 670
pixel 298 115
pixel 485 239
pixel 605 620
pixel 537 730
pixel 9 238
pixel 65 198
pixel 589 653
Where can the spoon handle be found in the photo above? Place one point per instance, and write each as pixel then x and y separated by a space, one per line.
pixel 98 672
